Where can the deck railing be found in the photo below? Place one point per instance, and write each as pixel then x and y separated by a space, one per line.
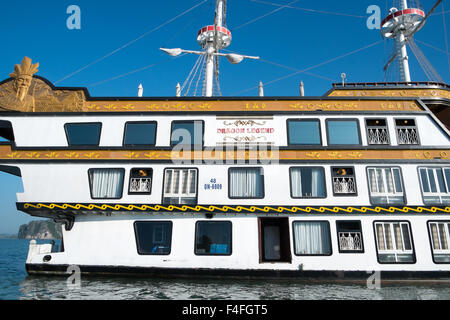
pixel 350 241
pixel 344 185
pixel 138 185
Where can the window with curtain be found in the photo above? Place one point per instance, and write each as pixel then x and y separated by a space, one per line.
pixel 106 183
pixel 385 185
pixel 342 132
pixel 304 132
pixel 308 182
pixel 140 133
pixel 394 242
pixel 246 183
pixel 189 133
pixel 435 185
pixel 440 240
pixel 180 186
pixel 312 238
pixel 83 134
pixel 153 238
pixel 213 238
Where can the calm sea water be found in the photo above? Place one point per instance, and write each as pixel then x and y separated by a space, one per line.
pixel 16 284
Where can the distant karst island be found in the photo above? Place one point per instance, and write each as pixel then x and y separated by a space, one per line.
pixel 40 229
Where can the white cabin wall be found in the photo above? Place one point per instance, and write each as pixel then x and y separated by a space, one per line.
pixel 111 241
pixel 49 131
pixel 70 184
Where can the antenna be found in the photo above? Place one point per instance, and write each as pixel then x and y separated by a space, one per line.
pixel 401 25
pixel 212 39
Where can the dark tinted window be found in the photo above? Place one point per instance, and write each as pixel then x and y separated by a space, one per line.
pixel 304 132
pixel 213 238
pixel 187 133
pixel 343 132
pixel 83 134
pixel 153 238
pixel 143 133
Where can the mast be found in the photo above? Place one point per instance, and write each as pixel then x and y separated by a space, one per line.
pixel 212 39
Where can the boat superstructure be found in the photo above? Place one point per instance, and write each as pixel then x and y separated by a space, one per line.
pixel 336 186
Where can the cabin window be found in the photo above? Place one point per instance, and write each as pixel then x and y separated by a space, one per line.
pixel 308 182
pixel 343 132
pixel 180 186
pixel 188 133
pixel 106 183
pixel 246 183
pixel 377 132
pixel 394 242
pixel 213 238
pixel 350 237
pixel 304 132
pixel 344 181
pixel 407 132
pixel 435 185
pixel 83 134
pixel 153 238
pixel 140 134
pixel 312 238
pixel 140 181
pixel 385 186
pixel 440 240
pixel 6 131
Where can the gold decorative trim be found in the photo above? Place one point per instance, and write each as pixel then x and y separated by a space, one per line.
pixel 6 153
pixel 405 93
pixel 242 105
pixel 235 209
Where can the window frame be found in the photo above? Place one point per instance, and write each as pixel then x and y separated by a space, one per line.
pixel 137 146
pixel 216 254
pixel 360 231
pixel 354 177
pixel 83 123
pixel 389 142
pixel 242 198
pixel 391 222
pixel 194 146
pixel 308 167
pixel 129 182
pixel 183 168
pixel 121 188
pixel 358 128
pixel 312 255
pixel 430 237
pixel 289 120
pixel 405 200
pixel 150 222
pixel 434 174
pixel 419 143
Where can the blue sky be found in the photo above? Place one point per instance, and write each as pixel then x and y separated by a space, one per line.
pixel 314 33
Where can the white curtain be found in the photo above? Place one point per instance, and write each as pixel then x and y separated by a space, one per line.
pixel 106 183
pixel 300 182
pixel 246 183
pixel 311 238
pixel 296 180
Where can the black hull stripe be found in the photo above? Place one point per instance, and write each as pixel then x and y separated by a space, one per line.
pixel 313 276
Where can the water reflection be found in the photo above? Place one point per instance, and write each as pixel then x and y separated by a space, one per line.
pixel 163 289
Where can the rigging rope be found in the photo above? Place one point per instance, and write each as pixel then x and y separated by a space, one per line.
pixel 309 10
pixel 129 43
pixel 265 15
pixel 313 67
pixel 445 35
